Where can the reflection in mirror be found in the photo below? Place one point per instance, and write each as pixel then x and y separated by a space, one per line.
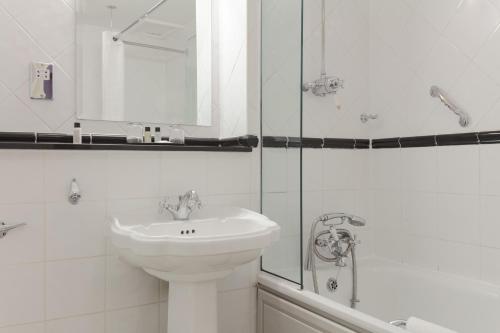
pixel 145 61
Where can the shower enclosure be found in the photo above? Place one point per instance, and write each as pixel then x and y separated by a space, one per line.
pixel 386 112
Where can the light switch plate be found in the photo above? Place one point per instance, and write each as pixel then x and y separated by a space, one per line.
pixel 41 83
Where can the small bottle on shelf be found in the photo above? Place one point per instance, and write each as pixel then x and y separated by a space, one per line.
pixel 77 134
pixel 157 134
pixel 147 134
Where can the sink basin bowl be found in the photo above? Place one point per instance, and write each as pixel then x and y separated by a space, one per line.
pixel 192 255
pixel 209 246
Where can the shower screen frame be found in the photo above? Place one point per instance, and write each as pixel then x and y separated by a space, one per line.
pixel 299 280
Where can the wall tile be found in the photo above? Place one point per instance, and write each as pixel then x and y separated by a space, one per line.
pixel 183 171
pixel 386 210
pixel 242 278
pixel 419 169
pixel 342 169
pixel 228 173
pixel 421 212
pixel 16 116
pixel 312 169
pixel 85 324
pixel 489 164
pixel 25 189
pixel 385 169
pixel 274 175
pixel 482 16
pixel 236 310
pixel 490 270
pixel 422 252
pixel 75 231
pixel 15 60
pixel 133 175
pixel 27 243
pixel 25 282
pixel 30 328
pixel 235 200
pixel 460 259
pixel 54 36
pixel 128 286
pixel 75 287
pixel 489 224
pixel 143 319
pixel 458 169
pixel 88 168
pixel 438 13
pixel 488 54
pixel 458 218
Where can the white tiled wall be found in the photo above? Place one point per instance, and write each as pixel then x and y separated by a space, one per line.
pixel 347 57
pixel 440 210
pixel 61 274
pixel 450 43
pixel 435 207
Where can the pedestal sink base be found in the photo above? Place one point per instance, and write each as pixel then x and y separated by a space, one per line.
pixel 192 307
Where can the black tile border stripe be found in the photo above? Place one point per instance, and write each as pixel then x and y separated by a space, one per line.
pixel 315 143
pixel 456 139
pixel 31 140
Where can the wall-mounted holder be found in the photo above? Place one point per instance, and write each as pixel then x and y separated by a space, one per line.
pixel 365 117
pixel 41 81
pixel 74 193
pixel 4 228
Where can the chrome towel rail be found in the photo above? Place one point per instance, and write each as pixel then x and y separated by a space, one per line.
pixel 464 116
pixel 4 228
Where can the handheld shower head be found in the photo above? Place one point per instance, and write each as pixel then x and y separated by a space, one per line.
pixel 356 221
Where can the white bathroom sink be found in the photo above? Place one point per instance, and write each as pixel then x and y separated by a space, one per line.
pixel 209 246
pixel 192 255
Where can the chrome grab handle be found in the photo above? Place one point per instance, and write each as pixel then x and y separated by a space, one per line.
pixel 4 228
pixel 439 93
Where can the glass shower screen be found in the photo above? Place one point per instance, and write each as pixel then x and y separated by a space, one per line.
pixel 281 132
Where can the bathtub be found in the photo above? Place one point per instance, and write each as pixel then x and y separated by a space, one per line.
pixel 390 291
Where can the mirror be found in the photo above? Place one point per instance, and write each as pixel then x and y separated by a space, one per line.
pixel 145 61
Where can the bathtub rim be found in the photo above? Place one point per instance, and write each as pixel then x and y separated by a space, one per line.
pixel 322 306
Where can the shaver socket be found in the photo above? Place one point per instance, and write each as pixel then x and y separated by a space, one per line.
pixel 41 80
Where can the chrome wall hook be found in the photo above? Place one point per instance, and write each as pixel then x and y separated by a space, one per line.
pixel 74 193
pixel 4 228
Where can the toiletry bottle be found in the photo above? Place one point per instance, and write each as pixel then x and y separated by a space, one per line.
pixel 77 134
pixel 147 135
pixel 157 134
